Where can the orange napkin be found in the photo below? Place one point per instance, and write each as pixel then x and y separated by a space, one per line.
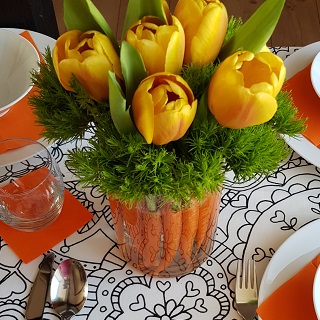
pixel 294 299
pixel 30 245
pixel 19 121
pixel 307 102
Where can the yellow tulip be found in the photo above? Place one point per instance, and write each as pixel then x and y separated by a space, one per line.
pixel 163 108
pixel 242 91
pixel 205 24
pixel 161 46
pixel 88 56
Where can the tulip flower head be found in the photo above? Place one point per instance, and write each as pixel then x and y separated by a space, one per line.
pixel 88 56
pixel 161 46
pixel 163 108
pixel 205 24
pixel 243 90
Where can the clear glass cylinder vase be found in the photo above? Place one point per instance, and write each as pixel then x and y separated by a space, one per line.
pixel 163 241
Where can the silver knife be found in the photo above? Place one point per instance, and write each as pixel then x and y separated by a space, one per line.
pixel 38 293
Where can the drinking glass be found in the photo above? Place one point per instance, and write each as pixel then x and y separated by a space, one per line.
pixel 31 185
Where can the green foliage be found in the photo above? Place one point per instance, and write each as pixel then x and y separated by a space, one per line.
pixel 233 25
pixel 129 169
pixel 198 77
pixel 253 150
pixel 285 120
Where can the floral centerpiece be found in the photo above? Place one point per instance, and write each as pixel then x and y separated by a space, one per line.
pixel 184 98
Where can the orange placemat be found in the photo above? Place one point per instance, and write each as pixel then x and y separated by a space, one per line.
pixel 30 245
pixel 19 121
pixel 307 102
pixel 294 299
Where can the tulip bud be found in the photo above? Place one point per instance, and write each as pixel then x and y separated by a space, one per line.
pixel 88 56
pixel 205 25
pixel 243 90
pixel 163 108
pixel 161 46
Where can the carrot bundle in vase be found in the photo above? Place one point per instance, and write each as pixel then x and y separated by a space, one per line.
pixel 161 238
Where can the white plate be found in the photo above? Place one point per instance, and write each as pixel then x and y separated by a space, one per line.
pixel 315 74
pixel 316 293
pixel 42 41
pixel 295 63
pixel 297 251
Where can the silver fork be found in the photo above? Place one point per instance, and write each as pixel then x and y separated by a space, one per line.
pixel 246 289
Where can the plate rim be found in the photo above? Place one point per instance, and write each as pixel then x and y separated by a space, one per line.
pixel 296 62
pixel 315 75
pixel 311 227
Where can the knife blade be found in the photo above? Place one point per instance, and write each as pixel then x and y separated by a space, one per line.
pixel 39 290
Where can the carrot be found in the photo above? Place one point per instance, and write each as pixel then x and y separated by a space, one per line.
pixel 134 226
pixel 152 239
pixel 172 228
pixel 213 219
pixel 117 220
pixel 205 210
pixel 190 218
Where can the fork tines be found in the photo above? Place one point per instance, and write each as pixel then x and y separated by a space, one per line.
pixel 246 288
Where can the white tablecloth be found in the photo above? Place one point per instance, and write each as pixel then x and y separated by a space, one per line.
pixel 255 218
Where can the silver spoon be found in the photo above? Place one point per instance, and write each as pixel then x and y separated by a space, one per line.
pixel 69 288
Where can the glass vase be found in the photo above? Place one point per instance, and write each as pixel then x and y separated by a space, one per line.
pixel 163 241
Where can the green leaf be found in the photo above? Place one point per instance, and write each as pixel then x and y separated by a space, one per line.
pixel 133 69
pixel 257 30
pixel 137 9
pixel 118 107
pixel 84 15
pixel 202 110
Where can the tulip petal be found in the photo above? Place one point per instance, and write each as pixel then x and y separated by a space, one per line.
pixel 142 108
pixel 160 98
pixel 206 44
pixel 173 124
pixel 92 74
pixel 175 49
pixel 241 109
pixel 149 50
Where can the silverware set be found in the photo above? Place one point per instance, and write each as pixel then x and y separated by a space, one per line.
pixel 68 289
pixel 246 289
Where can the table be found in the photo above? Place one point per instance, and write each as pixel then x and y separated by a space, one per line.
pixel 255 218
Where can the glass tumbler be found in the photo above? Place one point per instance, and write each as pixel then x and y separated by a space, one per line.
pixel 31 185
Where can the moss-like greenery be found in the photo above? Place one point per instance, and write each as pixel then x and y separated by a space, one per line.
pixel 130 169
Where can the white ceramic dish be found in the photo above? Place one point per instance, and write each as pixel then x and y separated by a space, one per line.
pixel 42 41
pixel 315 74
pixel 316 293
pixel 17 58
pixel 295 63
pixel 298 250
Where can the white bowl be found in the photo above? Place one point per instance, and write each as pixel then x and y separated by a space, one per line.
pixel 17 58
pixel 316 292
pixel 315 74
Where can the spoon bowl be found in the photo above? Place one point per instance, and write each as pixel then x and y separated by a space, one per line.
pixel 69 288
